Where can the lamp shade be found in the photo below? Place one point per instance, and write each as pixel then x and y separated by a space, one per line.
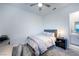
pixel 61 32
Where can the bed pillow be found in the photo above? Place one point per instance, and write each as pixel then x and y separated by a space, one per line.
pixel 53 34
pixel 48 34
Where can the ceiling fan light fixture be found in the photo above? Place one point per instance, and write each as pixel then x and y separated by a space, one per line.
pixel 40 4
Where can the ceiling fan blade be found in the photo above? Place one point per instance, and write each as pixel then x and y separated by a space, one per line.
pixel 33 4
pixel 47 5
pixel 54 9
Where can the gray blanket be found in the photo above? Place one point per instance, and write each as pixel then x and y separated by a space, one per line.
pixel 23 50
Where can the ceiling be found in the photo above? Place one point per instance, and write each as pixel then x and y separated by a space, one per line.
pixel 45 10
pixel 35 9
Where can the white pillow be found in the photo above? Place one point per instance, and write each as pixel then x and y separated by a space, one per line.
pixel 49 34
pixel 53 34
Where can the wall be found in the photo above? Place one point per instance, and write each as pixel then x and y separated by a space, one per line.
pixel 60 18
pixel 74 17
pixel 18 23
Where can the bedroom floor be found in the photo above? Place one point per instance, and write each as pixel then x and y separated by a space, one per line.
pixel 6 50
pixel 56 51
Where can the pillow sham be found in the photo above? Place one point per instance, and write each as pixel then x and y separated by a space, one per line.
pixel 49 34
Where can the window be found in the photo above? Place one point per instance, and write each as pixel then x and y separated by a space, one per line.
pixel 77 26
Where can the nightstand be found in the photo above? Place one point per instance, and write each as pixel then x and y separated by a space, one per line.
pixel 61 42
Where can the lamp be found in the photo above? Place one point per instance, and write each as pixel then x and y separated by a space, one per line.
pixel 61 32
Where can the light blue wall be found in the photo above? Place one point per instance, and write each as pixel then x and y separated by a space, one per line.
pixel 60 18
pixel 18 23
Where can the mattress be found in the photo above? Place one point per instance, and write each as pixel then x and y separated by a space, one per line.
pixel 41 42
pixel 48 40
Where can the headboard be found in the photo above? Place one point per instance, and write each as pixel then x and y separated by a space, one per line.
pixel 51 31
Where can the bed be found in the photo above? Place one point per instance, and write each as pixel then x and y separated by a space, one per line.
pixel 41 42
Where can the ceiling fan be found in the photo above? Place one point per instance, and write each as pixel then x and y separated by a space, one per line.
pixel 40 5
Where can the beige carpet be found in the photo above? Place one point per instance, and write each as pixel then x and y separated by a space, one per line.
pixel 5 49
pixel 56 51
